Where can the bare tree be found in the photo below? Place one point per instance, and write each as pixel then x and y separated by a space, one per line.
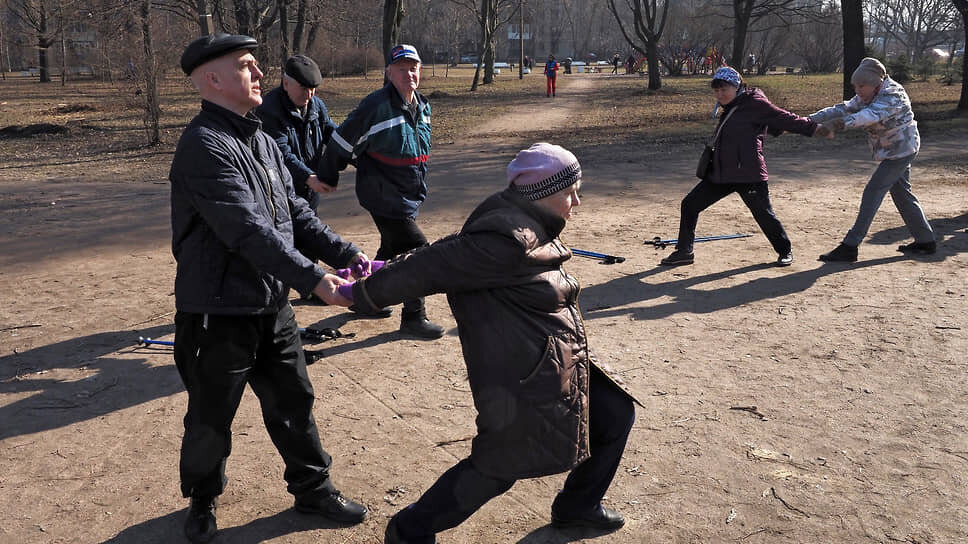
pixel 918 25
pixel 490 16
pixel 819 40
pixel 747 13
pixel 647 19
pixel 44 19
pixel 392 19
pixel 151 105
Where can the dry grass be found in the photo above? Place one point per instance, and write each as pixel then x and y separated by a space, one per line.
pixel 625 118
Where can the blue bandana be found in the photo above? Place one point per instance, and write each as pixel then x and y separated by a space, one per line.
pixel 728 75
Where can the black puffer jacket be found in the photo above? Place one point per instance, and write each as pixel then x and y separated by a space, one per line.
pixel 520 330
pixel 235 217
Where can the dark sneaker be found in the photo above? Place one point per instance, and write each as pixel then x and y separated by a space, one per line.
pixel 785 260
pixel 200 524
pixel 919 248
pixel 334 507
pixel 604 519
pixel 378 314
pixel 393 536
pixel 841 254
pixel 678 258
pixel 421 327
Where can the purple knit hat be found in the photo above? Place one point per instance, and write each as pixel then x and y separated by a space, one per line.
pixel 542 170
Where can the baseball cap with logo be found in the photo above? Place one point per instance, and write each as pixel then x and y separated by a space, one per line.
pixel 403 51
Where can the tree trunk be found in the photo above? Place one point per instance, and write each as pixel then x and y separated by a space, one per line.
pixel 652 57
pixel 392 17
pixel 152 108
pixel 489 18
pixel 742 11
pixel 297 32
pixel 284 30
pixel 853 24
pixel 962 7
pixel 42 44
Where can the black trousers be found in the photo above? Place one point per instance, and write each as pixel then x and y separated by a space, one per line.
pixel 462 490
pixel 217 356
pixel 400 236
pixel 756 196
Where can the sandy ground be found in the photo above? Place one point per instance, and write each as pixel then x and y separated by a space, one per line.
pixel 810 404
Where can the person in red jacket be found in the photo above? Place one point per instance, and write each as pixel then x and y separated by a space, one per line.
pixel 738 164
pixel 551 72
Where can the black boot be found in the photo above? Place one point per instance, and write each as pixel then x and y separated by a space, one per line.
pixel 414 321
pixel 919 248
pixel 841 254
pixel 200 525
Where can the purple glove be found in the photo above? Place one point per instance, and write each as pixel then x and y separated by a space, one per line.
pixel 346 291
pixel 357 269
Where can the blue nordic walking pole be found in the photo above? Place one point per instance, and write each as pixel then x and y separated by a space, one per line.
pixel 660 243
pixel 142 341
pixel 606 259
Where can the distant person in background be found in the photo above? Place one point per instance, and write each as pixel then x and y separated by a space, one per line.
pixel 882 108
pixel 567 65
pixel 551 74
pixel 616 60
pixel 630 63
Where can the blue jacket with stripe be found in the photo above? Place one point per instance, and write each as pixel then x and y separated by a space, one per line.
pixel 390 148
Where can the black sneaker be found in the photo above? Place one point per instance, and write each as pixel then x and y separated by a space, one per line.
pixel 841 254
pixel 421 327
pixel 604 519
pixel 785 260
pixel 678 258
pixel 200 524
pixel 378 314
pixel 919 248
pixel 334 507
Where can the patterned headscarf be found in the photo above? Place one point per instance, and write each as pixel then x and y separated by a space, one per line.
pixel 728 75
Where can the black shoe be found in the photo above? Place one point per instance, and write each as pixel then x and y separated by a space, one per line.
pixel 200 524
pixel 785 260
pixel 378 314
pixel 334 507
pixel 841 254
pixel 604 519
pixel 392 535
pixel 919 248
pixel 678 258
pixel 421 327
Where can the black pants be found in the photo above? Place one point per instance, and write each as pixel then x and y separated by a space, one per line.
pixel 756 196
pixel 400 236
pixel 216 357
pixel 462 490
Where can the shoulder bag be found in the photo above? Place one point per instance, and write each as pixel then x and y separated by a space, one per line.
pixel 706 158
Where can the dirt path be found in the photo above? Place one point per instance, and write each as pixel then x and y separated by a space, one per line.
pixel 857 373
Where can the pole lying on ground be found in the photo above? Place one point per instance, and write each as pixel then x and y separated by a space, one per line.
pixel 660 243
pixel 142 341
pixel 606 259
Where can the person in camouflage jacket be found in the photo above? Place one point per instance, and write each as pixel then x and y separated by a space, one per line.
pixel 882 108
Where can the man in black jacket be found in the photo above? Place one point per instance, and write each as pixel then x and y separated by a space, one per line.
pixel 235 223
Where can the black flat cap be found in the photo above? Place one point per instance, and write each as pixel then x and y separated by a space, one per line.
pixel 303 70
pixel 212 46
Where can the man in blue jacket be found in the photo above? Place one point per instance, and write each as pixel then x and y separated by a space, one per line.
pixel 298 121
pixel 387 137
pixel 235 223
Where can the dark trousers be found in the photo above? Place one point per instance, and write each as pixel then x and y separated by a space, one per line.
pixel 756 196
pixel 400 236
pixel 216 357
pixel 462 490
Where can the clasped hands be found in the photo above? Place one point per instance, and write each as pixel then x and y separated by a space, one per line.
pixel 360 266
pixel 826 130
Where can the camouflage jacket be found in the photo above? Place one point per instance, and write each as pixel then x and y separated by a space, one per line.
pixel 888 120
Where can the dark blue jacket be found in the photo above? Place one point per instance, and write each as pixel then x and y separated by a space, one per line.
pixel 739 151
pixel 390 148
pixel 301 140
pixel 235 218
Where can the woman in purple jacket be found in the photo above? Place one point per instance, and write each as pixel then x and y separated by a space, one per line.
pixel 738 165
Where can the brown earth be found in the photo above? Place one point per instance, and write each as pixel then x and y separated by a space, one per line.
pixel 810 404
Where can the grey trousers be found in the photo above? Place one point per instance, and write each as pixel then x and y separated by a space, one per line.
pixel 892 175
